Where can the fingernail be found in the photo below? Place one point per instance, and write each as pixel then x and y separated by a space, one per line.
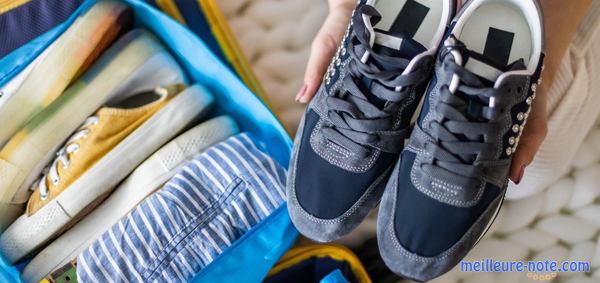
pixel 521 173
pixel 301 92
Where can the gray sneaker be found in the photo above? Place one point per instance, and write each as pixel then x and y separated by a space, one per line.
pixel 355 127
pixel 450 181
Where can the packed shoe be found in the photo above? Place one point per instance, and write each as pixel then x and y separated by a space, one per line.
pixel 102 152
pixel 450 181
pixel 354 128
pixel 134 63
pixel 8 89
pixel 90 34
pixel 120 125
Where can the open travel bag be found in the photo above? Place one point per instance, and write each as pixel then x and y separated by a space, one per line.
pixel 213 66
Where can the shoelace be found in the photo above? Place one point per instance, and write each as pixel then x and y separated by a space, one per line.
pixel 469 109
pixel 358 124
pixel 62 156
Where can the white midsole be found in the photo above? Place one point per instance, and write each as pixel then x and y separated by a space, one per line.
pixel 489 225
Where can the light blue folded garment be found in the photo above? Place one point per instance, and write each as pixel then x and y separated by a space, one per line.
pixel 173 234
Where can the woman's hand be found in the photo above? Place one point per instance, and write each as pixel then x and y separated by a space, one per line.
pixel 562 33
pixel 324 46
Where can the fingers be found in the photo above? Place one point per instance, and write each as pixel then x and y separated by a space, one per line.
pixel 323 49
pixel 534 134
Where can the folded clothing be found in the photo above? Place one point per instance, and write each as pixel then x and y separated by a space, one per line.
pixel 214 200
pixel 146 179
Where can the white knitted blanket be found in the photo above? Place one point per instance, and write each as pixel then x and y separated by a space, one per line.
pixel 554 214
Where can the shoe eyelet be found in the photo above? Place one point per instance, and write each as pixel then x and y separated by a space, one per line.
pixel 73 148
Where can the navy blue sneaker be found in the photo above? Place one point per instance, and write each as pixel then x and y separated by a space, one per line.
pixel 354 128
pixel 450 181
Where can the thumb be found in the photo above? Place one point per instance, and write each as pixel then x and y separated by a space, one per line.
pixel 531 140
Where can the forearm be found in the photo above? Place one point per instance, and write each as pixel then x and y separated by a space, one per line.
pixel 562 18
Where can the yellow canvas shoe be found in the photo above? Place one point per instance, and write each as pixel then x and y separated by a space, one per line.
pixel 98 135
pixel 97 157
pixel 136 61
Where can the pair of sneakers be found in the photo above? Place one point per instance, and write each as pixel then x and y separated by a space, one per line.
pixel 440 191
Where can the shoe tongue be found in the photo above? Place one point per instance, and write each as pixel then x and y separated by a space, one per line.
pixel 488 70
pixel 396 44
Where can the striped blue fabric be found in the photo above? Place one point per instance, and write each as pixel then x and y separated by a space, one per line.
pixel 214 200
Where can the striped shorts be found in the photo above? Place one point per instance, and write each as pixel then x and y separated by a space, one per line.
pixel 183 227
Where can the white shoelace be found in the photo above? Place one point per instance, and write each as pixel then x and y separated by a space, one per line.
pixel 62 156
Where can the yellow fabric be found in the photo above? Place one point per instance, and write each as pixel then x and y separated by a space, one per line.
pixel 340 253
pixel 114 125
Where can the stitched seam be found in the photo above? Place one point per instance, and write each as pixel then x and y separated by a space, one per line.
pixel 439 196
pixel 231 193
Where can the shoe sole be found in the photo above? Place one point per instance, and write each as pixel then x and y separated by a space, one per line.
pixel 29 233
pixel 12 86
pixel 412 266
pixel 146 179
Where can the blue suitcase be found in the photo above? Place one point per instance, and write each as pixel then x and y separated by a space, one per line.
pixel 251 257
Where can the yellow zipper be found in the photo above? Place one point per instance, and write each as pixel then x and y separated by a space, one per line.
pixel 171 9
pixel 340 253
